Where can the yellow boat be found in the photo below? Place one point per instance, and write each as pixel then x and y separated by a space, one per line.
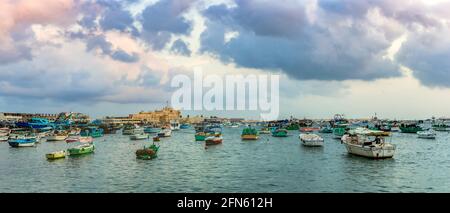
pixel 56 155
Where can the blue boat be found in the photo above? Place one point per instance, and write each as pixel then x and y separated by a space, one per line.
pixel 92 131
pixel 214 128
pixel 39 123
pixel 22 142
pixel 185 126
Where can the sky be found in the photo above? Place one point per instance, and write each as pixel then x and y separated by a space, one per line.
pixel 116 57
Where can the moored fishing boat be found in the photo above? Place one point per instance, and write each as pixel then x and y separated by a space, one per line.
pixel 249 133
pixel 165 132
pixel 339 131
pixel 58 135
pixel 326 129
pixel 174 125
pixel 141 136
pixel 74 132
pixel 184 126
pixel 410 128
pixel 311 140
pixel 56 155
pixel 264 131
pixel 293 126
pixel 395 129
pixel 200 136
pixel 81 149
pixel 441 127
pixel 22 142
pixel 147 153
pixel 213 140
pixel 72 139
pixel 309 129
pixel 428 134
pixel 4 138
pixel 368 146
pixel 5 131
pixel 151 130
pixel 87 139
pixel 132 129
pixel 280 133
pixel 92 131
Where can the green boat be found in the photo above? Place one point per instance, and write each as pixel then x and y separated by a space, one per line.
pixel 147 153
pixel 339 131
pixel 411 128
pixel 293 127
pixel 249 133
pixel 200 136
pixel 441 127
pixel 81 149
pixel 280 133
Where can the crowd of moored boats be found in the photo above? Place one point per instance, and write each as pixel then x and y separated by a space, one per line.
pixel 362 138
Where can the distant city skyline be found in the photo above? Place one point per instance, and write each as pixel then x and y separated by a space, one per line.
pixel 118 57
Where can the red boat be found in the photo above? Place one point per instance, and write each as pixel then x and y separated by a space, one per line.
pixel 309 129
pixel 72 139
pixel 213 140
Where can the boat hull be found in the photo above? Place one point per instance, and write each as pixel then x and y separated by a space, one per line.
pixel 370 152
pixel 56 138
pixel 55 155
pixel 249 137
pixel 139 137
pixel 200 137
pixel 18 144
pixel 410 129
pixel 213 141
pixel 81 150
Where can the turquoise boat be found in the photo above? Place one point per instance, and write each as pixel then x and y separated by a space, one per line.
pixel 92 131
pixel 339 131
pixel 326 129
pixel 22 142
pixel 184 126
pixel 151 130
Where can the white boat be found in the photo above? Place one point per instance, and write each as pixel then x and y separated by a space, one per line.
pixel 428 134
pixel 165 133
pixel 234 125
pixel 57 136
pixel 395 129
pixel 4 138
pixel 87 139
pixel 311 140
pixel 368 146
pixel 4 132
pixel 174 125
pixel 142 136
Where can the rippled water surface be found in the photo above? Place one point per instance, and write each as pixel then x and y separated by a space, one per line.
pixel 267 165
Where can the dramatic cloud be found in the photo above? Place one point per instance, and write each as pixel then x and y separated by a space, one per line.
pixel 164 18
pixel 105 46
pixel 17 16
pixel 179 47
pixel 304 41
